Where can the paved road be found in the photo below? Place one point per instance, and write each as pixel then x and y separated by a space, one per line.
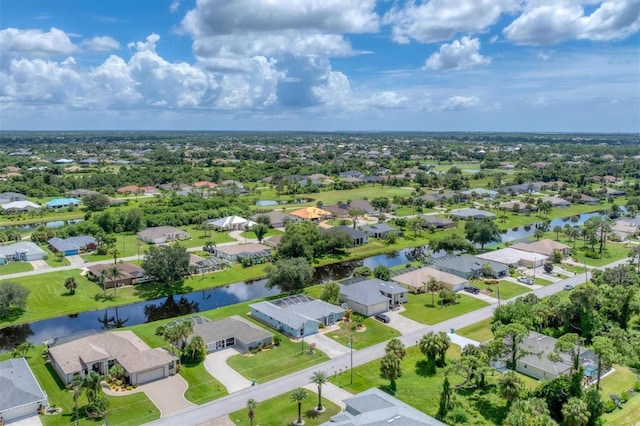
pixel 236 401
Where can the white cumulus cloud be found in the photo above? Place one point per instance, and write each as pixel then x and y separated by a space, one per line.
pixel 457 103
pixel 548 22
pixel 438 20
pixel 100 44
pixel 35 42
pixel 460 55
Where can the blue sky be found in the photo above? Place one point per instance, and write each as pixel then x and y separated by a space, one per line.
pixel 431 65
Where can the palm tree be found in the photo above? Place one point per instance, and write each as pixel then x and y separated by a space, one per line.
pixel 251 406
pixel 576 412
pixel 114 252
pixel 76 385
pixel 91 385
pixel 433 286
pixel 428 345
pixel 319 378
pixel 391 369
pixel 396 347
pixel 114 273
pixel 510 386
pixel 298 395
pixel 443 341
pixel 557 229
pixel 71 285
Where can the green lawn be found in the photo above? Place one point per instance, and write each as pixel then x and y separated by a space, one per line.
pixel 15 267
pixel 281 411
pixel 541 281
pixel 280 361
pixel 374 333
pixel 53 260
pixel 270 233
pixel 611 253
pixel 507 289
pixel 419 308
pixel 622 379
pixel 202 386
pixel 133 409
pixel 480 331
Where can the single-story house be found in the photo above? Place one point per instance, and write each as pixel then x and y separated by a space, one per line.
pixel 8 197
pixel 274 240
pixel 544 247
pixel 297 315
pixel 376 407
pixel 352 174
pixel 72 245
pixel 472 214
pixel 587 199
pixel 204 184
pixel 467 266
pixel 513 257
pixel 518 206
pixel 231 223
pixel 539 366
pixel 416 280
pixel 20 393
pixel 129 274
pixel 237 251
pixel 380 230
pixel 374 296
pixel 429 220
pixel 99 352
pixel 312 213
pixel 556 202
pixel 625 229
pixel 277 219
pixel 20 207
pixel 129 189
pixel 162 234
pixel 58 203
pixel 363 205
pixel 22 250
pixel 481 192
pixel 609 192
pixel 234 331
pixel 358 237
pixel 81 192
pixel 339 210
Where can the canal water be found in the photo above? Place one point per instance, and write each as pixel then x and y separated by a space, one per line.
pixel 50 224
pixel 168 307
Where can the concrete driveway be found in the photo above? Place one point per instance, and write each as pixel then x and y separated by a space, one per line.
pixel 327 345
pixel 216 365
pixel 403 324
pixel 168 394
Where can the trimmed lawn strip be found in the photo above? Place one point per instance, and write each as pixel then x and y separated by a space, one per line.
pixel 507 289
pixel 52 259
pixel 375 332
pixel 280 411
pixel 133 409
pixel 279 361
pixel 415 308
pixel 480 331
pixel 202 386
pixel 15 267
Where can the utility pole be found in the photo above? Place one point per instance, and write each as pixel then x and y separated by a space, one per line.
pixel 351 346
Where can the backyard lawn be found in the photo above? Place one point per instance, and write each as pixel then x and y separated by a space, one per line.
pixel 419 308
pixel 281 411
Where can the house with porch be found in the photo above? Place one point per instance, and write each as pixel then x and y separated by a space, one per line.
pixel 25 251
pixel 129 274
pixel 233 331
pixel 297 316
pixel 72 245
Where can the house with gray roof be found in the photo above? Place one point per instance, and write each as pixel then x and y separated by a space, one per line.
pixel 358 237
pixel 23 206
pixel 277 219
pixel 233 331
pixel 380 230
pixel 21 251
pixel 162 235
pixel 374 407
pixel 72 245
pixel 20 392
pixel 297 316
pixel 99 352
pixel 467 266
pixel 429 220
pixel 481 192
pixel 370 297
pixel 472 214
pixel 8 197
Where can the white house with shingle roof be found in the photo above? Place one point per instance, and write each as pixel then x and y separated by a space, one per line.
pixel 99 352
pixel 20 392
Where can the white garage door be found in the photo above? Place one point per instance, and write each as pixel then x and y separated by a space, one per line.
pixel 150 375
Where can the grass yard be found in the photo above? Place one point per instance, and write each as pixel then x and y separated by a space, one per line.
pixel 15 267
pixel 278 362
pixel 270 233
pixel 617 382
pixel 480 331
pixel 507 289
pixel 202 386
pixel 540 281
pixel 281 411
pixel 420 309
pixel 375 332
pixel 53 260
pixel 130 410
pixel 611 253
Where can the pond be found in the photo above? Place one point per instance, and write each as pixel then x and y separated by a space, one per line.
pixel 50 224
pixel 263 203
pixel 523 232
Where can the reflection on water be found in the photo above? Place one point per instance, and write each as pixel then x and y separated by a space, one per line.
pixel 170 309
pixel 11 337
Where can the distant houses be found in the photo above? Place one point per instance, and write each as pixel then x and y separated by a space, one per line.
pixel 472 214
pixel 162 235
pixel 17 207
pixel 231 223
pixel 467 266
pixel 58 203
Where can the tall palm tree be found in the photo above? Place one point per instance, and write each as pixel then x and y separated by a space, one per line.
pixel 443 341
pixel 433 286
pixel 428 345
pixel 251 406
pixel 396 347
pixel 114 273
pixel 114 252
pixel 298 395
pixel 91 385
pixel 510 386
pixel 319 378
pixel 76 385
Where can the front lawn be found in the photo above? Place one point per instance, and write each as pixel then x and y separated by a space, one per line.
pixel 419 308
pixel 202 386
pixel 279 361
pixel 507 289
pixel 281 410
pixel 375 332
pixel 480 331
pixel 15 267
pixel 53 260
pixel 611 253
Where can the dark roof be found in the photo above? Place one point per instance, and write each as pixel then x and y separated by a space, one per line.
pixel 353 233
pixel 234 326
pixel 71 243
pixel 379 228
pixel 467 263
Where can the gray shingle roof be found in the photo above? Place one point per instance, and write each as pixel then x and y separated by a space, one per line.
pixel 18 385
pixel 234 326
pixel 296 310
pixel 71 243
pixel 20 246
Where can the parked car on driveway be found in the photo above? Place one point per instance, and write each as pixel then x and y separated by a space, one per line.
pixel 472 289
pixel 382 318
pixel 525 280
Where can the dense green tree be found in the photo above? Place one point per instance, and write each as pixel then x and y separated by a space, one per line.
pixel 452 243
pixel 508 342
pixel 195 351
pixel 570 344
pixel 429 346
pixel 335 240
pixel 22 350
pixel 382 272
pixel 511 386
pixel 482 232
pixel 167 264
pixel 13 298
pixel 290 275
pixel 71 284
pixel 95 201
pixel 330 293
pixel 529 412
pixel 595 406
pixel 576 412
pixel 605 350
pixel 260 230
